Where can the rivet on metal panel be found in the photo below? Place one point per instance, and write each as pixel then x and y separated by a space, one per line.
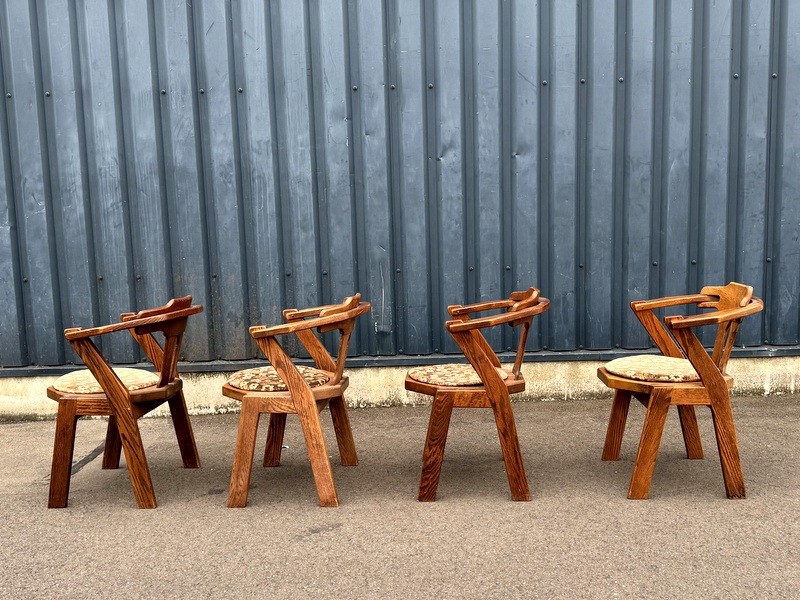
pixel 47 94
pixel 769 260
pixel 580 266
pixel 324 273
pixel 580 346
pixel 472 268
pixel 163 92
pixel 392 87
pixel 583 81
pixel 544 82
pixel 655 263
pixel 355 88
pixel 435 349
pixel 736 76
pixel 508 267
pixel 621 79
pixel 24 280
pixel 774 75
pixel 430 86
pixel 100 278
pixel 694 262
pixel 202 91
pixel 397 270
pixel 240 90
pixel 8 95
pixel 138 278
pixel 288 273
pixel 400 350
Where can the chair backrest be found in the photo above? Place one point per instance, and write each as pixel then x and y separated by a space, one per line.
pixel 518 310
pixel 303 322
pixel 170 320
pixel 731 303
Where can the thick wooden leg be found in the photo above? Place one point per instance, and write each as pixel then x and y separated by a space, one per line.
pixel 63 449
pixel 509 443
pixel 691 433
pixel 344 434
pixel 243 456
pixel 272 451
pixel 135 458
pixel 433 454
pixel 616 425
pixel 317 453
pixel 183 431
pixel 648 445
pixel 728 447
pixel 113 447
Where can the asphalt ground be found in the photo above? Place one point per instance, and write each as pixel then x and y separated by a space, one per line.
pixel 579 537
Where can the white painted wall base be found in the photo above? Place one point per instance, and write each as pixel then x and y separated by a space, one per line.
pixel 25 398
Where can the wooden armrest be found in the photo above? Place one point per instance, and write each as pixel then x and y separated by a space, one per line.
pixel 76 333
pixel 714 318
pixel 640 305
pixel 296 314
pixel 457 309
pixel 501 319
pixel 261 331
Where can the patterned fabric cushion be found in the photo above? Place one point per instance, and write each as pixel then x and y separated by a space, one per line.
pixel 83 382
pixel 266 379
pixel 648 367
pixel 451 375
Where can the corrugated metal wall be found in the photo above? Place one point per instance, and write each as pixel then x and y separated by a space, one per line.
pixel 267 154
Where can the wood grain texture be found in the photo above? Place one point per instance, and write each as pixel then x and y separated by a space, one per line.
pixel 616 425
pixel 494 392
pixel 124 407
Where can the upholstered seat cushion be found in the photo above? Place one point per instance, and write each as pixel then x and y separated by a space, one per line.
pixel 648 367
pixel 450 375
pixel 83 382
pixel 266 379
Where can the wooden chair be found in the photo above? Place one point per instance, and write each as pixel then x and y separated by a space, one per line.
pixel 482 383
pixel 124 395
pixel 684 375
pixel 286 388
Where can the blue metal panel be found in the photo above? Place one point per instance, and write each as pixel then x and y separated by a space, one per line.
pixel 422 153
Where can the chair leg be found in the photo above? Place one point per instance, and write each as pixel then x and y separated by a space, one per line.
pixel 272 451
pixel 344 434
pixel 691 433
pixel 113 447
pixel 315 446
pixel 63 450
pixel 183 431
pixel 135 458
pixel 728 447
pixel 616 425
pixel 509 443
pixel 648 445
pixel 243 456
pixel 433 454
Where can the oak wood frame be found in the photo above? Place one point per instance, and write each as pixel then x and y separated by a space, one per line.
pixel 675 337
pixel 494 392
pixel 124 407
pixel 300 398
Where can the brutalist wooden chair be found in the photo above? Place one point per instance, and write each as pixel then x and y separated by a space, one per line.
pixel 285 388
pixel 483 383
pixel 123 395
pixel 684 375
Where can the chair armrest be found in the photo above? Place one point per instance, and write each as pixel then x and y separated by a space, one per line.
pixel 714 318
pixel 76 333
pixel 640 305
pixel 501 319
pixel 261 331
pixel 457 309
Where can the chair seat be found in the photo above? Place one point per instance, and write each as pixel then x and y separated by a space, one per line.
pixel 450 375
pixel 83 382
pixel 266 379
pixel 649 367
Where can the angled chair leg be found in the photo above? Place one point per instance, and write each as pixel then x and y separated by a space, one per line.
pixel 616 425
pixel 63 450
pixel 344 434
pixel 138 470
pixel 648 445
pixel 243 456
pixel 113 447
pixel 183 431
pixel 433 454
pixel 509 443
pixel 274 447
pixel 317 453
pixel 728 447
pixel 691 433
